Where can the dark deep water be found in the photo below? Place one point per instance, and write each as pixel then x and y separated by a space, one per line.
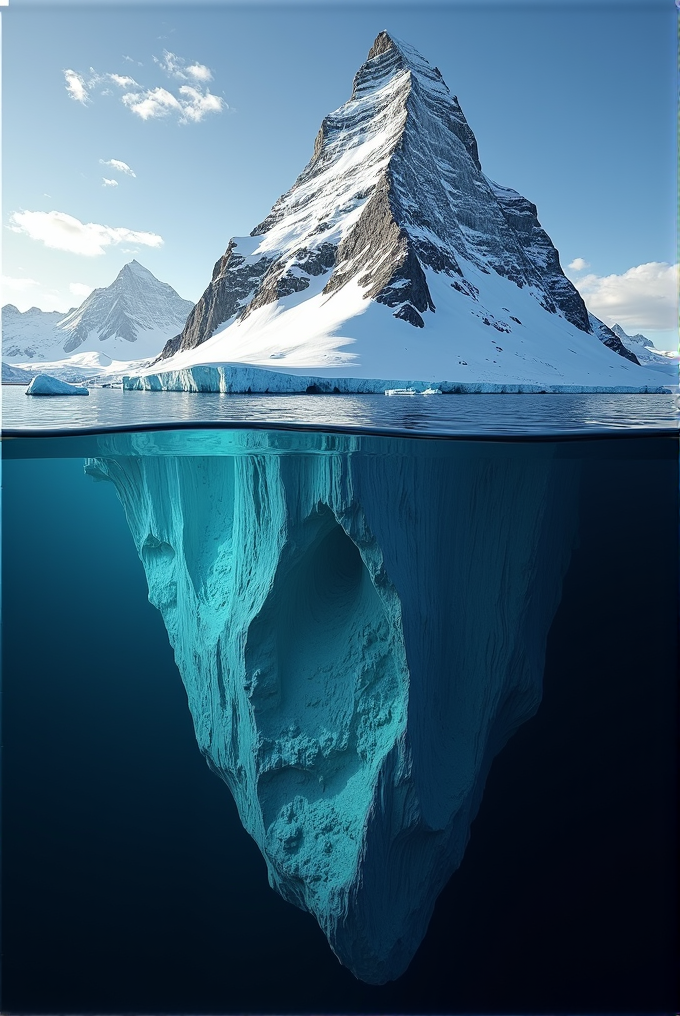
pixel 129 884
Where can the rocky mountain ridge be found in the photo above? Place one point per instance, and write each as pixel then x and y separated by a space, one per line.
pixel 393 210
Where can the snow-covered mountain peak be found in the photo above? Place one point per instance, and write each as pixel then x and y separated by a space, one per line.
pixel 133 270
pixel 392 218
pixel 135 302
pixel 628 340
pixel 133 318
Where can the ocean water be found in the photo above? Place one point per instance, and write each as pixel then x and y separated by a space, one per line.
pixel 470 415
pixel 129 883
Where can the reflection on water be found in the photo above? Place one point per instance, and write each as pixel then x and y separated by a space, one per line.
pixel 447 414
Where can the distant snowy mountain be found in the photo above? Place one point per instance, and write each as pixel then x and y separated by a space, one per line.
pixel 394 256
pixel 647 354
pixel 25 335
pixel 14 375
pixel 130 319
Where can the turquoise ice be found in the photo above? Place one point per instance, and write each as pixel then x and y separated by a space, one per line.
pixel 360 624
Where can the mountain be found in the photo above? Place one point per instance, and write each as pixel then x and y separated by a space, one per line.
pixel 26 335
pixel 663 360
pixel 611 339
pixel 393 255
pixel 637 340
pixel 14 375
pixel 130 319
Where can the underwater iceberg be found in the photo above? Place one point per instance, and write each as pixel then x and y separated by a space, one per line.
pixel 360 624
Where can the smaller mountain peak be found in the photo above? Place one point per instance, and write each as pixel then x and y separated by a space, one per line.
pixel 134 268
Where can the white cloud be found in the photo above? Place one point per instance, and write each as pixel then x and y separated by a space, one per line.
pixel 174 66
pixel 123 80
pixel 118 165
pixel 190 104
pixel 80 289
pixel 154 103
pixel 197 104
pixel 644 297
pixel 578 264
pixel 16 285
pixel 64 232
pixel 109 183
pixel 76 86
pixel 199 72
pixel 177 67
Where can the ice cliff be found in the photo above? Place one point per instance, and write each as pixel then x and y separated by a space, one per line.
pixel 360 624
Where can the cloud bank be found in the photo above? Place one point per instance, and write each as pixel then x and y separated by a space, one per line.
pixel 644 297
pixel 64 232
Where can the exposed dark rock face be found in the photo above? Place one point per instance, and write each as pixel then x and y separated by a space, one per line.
pixel 609 338
pixel 391 271
pixel 522 217
pixel 393 192
pixel 233 281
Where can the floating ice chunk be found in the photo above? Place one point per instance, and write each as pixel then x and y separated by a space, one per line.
pixel 45 384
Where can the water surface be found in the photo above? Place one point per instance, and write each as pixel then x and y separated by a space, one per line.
pixel 435 414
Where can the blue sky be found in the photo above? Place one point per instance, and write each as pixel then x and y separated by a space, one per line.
pixel 573 105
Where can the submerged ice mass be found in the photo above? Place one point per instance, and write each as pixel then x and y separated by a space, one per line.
pixel 360 625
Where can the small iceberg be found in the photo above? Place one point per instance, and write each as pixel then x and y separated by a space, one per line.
pixel 45 384
pixel 412 391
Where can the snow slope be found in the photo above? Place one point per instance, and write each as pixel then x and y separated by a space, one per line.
pixel 394 256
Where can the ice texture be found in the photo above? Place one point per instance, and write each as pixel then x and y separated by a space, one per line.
pixel 44 384
pixel 240 378
pixel 360 624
